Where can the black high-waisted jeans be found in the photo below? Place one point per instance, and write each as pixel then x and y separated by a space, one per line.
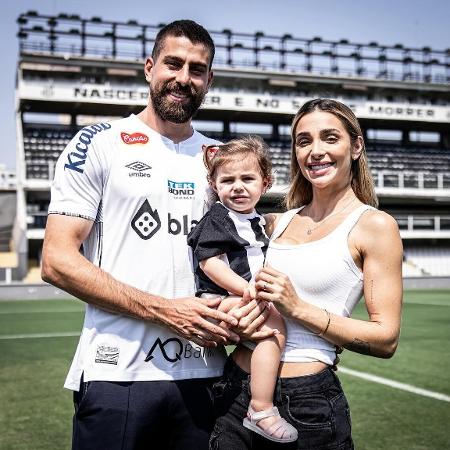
pixel 314 404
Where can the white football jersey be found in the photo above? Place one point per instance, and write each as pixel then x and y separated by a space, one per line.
pixel 144 194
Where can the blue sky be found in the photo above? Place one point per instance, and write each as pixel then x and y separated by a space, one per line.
pixel 416 23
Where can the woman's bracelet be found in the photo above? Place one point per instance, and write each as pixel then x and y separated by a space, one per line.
pixel 322 333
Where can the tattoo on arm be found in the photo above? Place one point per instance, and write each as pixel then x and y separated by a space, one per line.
pixel 359 346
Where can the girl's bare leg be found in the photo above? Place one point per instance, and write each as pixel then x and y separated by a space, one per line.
pixel 264 366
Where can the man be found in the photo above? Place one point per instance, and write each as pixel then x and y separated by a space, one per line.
pixel 127 193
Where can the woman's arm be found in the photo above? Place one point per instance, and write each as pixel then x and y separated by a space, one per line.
pixel 219 272
pixel 379 245
pixel 382 253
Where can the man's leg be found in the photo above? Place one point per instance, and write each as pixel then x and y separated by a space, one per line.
pixel 100 419
pixel 121 415
pixel 191 416
pixel 143 415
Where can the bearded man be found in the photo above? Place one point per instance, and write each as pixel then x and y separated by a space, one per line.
pixel 127 193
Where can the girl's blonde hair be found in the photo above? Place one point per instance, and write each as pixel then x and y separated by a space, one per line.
pixel 300 190
pixel 215 156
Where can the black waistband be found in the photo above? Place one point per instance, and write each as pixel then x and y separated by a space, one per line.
pixel 321 379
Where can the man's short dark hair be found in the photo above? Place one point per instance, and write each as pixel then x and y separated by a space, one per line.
pixel 186 28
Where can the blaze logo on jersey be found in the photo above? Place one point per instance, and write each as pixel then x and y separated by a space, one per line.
pixel 134 138
pixel 146 222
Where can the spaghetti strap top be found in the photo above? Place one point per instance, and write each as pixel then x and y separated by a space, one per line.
pixel 324 274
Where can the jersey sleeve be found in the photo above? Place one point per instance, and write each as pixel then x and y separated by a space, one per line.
pixel 212 236
pixel 79 175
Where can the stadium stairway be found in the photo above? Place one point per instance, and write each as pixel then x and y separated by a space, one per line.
pixel 5 237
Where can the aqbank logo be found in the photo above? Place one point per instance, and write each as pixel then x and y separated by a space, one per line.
pixel 181 189
pixel 75 160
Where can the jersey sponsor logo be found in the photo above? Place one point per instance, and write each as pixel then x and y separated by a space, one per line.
pixel 146 222
pixel 172 350
pixel 107 355
pixel 177 226
pixel 134 138
pixel 139 169
pixel 75 160
pixel 181 189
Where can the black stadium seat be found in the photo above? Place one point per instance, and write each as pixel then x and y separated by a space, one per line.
pixel 42 148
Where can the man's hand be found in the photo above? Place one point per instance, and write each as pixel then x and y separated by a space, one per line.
pixel 195 319
pixel 252 315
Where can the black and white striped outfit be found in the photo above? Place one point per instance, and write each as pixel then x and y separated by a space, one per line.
pixel 238 239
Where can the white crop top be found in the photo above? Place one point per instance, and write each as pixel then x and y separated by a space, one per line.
pixel 324 274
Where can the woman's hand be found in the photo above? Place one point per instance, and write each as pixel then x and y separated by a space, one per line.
pixel 276 287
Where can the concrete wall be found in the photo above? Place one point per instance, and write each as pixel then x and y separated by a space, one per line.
pixel 7 208
pixel 426 283
pixel 21 291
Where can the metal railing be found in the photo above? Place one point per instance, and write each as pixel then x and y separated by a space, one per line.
pixel 412 222
pixel 413 180
pixel 383 179
pixel 75 36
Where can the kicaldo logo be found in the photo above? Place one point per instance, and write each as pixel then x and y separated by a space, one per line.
pixel 134 138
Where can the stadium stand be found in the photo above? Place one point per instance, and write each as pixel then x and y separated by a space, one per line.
pixel 429 261
pixel 75 71
pixel 42 148
pixel 9 260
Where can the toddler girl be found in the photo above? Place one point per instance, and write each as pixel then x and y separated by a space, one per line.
pixel 229 245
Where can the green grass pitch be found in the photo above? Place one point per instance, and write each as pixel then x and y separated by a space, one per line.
pixel 36 412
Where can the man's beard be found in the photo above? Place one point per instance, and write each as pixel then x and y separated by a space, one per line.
pixel 172 111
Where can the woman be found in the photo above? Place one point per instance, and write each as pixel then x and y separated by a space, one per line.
pixel 331 247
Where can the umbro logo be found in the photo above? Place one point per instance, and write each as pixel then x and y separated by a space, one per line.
pixel 139 169
pixel 138 166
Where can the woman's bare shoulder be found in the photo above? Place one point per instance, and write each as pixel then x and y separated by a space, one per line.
pixel 378 221
pixel 376 229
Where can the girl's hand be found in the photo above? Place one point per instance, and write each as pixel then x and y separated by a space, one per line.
pixel 249 292
pixel 276 287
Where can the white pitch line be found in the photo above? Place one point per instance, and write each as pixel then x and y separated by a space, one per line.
pixel 395 384
pixel 409 302
pixel 38 335
pixel 355 373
